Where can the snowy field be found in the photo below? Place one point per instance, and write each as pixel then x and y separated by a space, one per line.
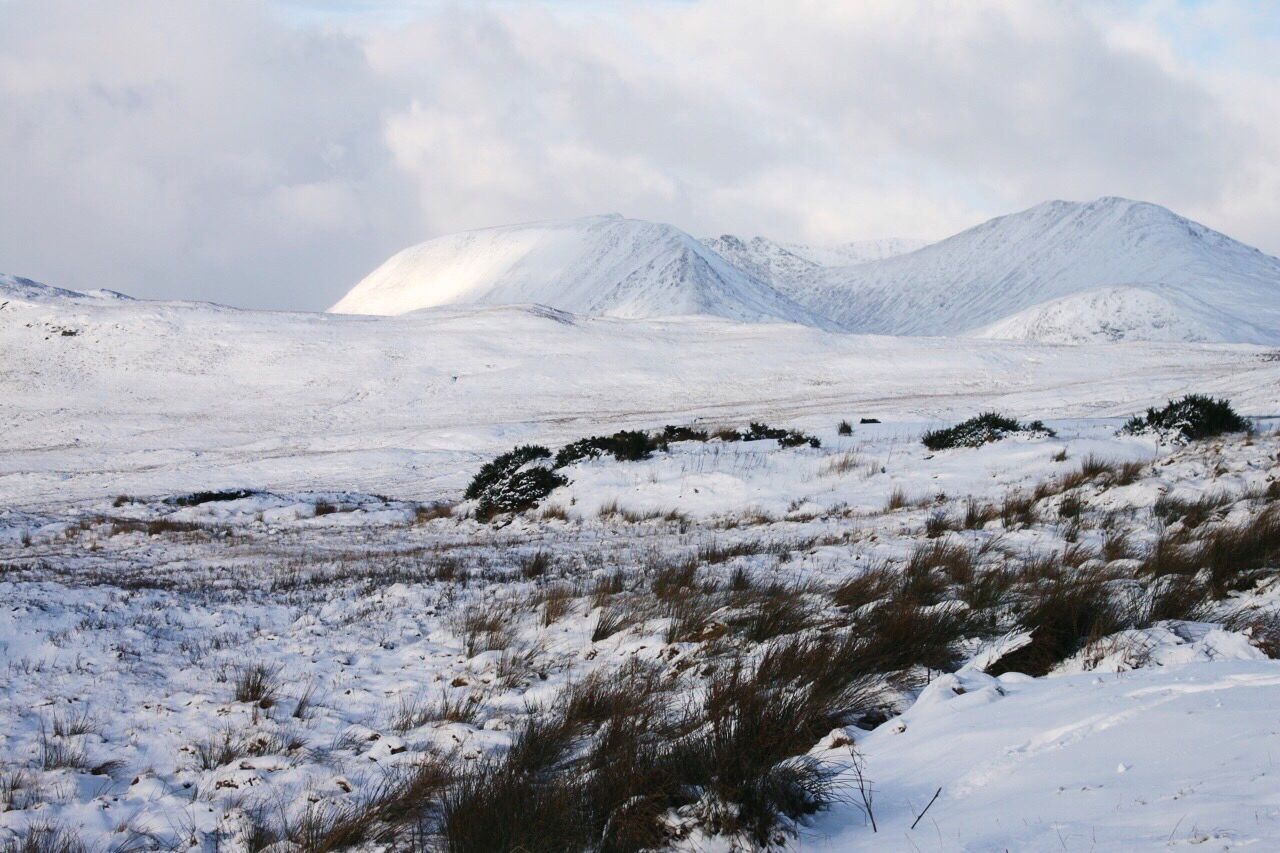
pixel 285 661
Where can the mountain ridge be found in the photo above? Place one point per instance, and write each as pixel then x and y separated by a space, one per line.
pixel 602 266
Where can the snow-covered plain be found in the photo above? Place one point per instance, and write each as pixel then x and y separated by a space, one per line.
pixel 129 616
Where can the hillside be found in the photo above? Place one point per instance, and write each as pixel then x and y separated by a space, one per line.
pixel 795 263
pixel 1203 280
pixel 600 266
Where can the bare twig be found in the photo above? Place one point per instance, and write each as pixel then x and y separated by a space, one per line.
pixel 926 808
pixel 864 788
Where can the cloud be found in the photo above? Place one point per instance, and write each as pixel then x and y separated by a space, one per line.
pixel 191 149
pixel 223 150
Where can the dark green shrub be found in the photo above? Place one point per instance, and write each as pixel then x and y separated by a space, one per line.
pixel 784 437
pixel 1193 417
pixel 197 498
pixel 512 483
pixel 845 428
pixel 683 433
pixel 624 445
pixel 980 430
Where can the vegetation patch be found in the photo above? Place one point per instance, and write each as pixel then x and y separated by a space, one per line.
pixel 513 482
pixel 624 445
pixel 1194 417
pixel 983 429
pixel 197 498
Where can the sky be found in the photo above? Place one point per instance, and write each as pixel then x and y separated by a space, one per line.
pixel 269 153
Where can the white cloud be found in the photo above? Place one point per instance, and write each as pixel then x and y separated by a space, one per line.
pixel 208 149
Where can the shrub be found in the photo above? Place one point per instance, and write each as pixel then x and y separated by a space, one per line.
pixel 672 433
pixel 197 498
pixel 513 482
pixel 985 428
pixel 845 428
pixel 624 445
pixel 1194 417
pixel 759 432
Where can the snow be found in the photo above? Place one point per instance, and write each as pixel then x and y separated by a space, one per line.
pixel 1105 314
pixel 1167 757
pixel 139 610
pixel 794 263
pixel 1060 272
pixel 602 265
pixel 144 634
pixel 1054 250
pixel 111 396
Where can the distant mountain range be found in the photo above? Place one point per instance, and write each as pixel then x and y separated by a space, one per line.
pixel 1066 272
pixel 1060 272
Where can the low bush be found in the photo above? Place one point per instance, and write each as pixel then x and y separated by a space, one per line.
pixel 980 430
pixel 197 498
pixel 845 428
pixel 672 433
pixel 624 445
pixel 513 482
pixel 1191 418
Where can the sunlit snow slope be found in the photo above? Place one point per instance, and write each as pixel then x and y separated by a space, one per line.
pixel 600 265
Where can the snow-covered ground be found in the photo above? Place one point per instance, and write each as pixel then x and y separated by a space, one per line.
pixel 103 396
pixel 133 610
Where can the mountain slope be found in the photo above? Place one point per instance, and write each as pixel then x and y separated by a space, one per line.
pixel 1105 314
pixel 16 287
pixel 794 263
pixel 600 265
pixel 1227 290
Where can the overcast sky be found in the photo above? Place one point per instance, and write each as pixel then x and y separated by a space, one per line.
pixel 269 154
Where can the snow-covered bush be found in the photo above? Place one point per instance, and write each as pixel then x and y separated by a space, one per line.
pixel 515 481
pixel 1193 417
pixel 977 431
pixel 624 445
pixel 758 432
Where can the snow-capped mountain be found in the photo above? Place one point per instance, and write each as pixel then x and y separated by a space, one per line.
pixel 16 287
pixel 1111 269
pixel 765 260
pixel 1176 275
pixel 599 265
